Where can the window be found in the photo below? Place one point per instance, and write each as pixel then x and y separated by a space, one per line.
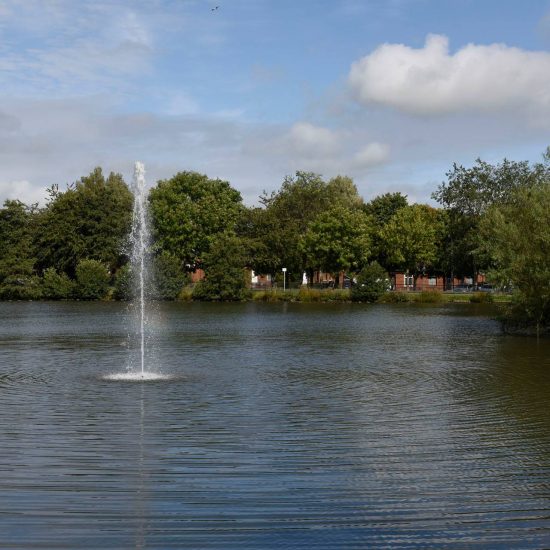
pixel 432 281
pixel 409 281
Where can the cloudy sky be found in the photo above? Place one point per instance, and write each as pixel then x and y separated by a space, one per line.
pixel 390 92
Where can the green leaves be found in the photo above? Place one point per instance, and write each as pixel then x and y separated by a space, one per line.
pixel 372 282
pixel 338 239
pixel 92 280
pixel 89 220
pixel 224 271
pixel 188 212
pixel 516 236
pixel 411 236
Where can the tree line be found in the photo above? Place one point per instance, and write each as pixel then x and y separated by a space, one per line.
pixel 491 218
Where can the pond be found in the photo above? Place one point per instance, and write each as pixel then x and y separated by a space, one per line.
pixel 278 425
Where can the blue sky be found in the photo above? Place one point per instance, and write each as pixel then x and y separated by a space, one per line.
pixel 390 92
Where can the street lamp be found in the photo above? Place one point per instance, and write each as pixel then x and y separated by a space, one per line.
pixel 284 279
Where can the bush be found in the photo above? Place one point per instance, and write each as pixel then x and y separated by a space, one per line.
pixel 309 295
pixel 224 271
pixel 274 295
pixel 372 283
pixel 21 287
pixel 57 286
pixel 398 297
pixel 429 297
pixel 481 298
pixel 92 280
pixel 185 294
pixel 124 287
pixel 168 276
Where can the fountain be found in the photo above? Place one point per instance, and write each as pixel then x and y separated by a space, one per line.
pixel 140 241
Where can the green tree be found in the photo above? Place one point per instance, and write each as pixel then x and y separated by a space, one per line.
pixel 17 260
pixel 277 229
pixel 410 238
pixel 290 210
pixel 189 211
pixel 468 194
pixel 90 220
pixel 372 282
pixel 169 277
pixel 92 280
pixel 516 235
pixel 262 239
pixel 381 209
pixel 341 191
pixel 338 239
pixel 224 267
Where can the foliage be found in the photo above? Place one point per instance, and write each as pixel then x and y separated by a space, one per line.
pixel 263 240
pixel 275 295
pixel 305 295
pixel 17 260
pixel 428 296
pixel 472 191
pixel 185 294
pixel 92 279
pixel 468 194
pixel 21 287
pixel 189 212
pixel 341 191
pixel 372 283
pixel 383 207
pixel 57 286
pixel 288 213
pixel 411 238
pixel 276 231
pixel 90 220
pixel 224 267
pixel 395 297
pixel 516 235
pixel 169 278
pixel 338 239
pixel 481 298
pixel 123 284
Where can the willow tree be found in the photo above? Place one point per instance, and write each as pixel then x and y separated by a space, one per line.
pixel 517 238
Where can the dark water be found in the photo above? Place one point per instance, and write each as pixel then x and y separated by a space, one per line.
pixel 285 426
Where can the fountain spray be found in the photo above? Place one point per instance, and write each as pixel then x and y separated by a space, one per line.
pixel 140 243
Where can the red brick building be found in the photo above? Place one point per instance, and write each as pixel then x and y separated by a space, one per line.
pixel 402 281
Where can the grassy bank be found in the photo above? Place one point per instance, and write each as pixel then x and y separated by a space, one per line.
pixel 307 295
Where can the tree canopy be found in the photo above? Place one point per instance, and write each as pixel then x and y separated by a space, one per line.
pixel 411 238
pixel 338 239
pixel 90 220
pixel 516 236
pixel 189 211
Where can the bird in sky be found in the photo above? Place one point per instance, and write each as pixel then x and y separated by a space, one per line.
pixel 215 8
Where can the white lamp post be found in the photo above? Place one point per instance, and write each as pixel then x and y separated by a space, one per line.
pixel 284 279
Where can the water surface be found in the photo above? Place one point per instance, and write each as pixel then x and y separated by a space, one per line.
pixel 276 426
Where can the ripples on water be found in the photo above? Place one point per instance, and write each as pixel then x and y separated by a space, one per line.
pixel 272 425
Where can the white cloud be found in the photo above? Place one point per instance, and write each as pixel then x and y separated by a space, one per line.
pixel 312 141
pixel 372 154
pixel 430 80
pixel 22 190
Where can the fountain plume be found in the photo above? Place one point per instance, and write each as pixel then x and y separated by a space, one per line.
pixel 140 239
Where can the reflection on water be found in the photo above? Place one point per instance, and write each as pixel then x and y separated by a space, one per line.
pixel 279 425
